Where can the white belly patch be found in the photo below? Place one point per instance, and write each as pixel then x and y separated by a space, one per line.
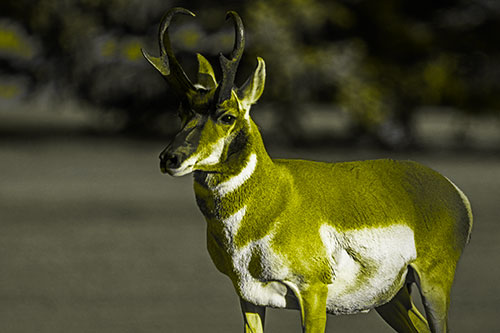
pixel 270 293
pixel 366 264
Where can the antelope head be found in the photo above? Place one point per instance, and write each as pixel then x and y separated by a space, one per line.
pixel 214 114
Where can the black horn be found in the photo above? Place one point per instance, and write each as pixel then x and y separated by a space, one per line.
pixel 167 64
pixel 229 66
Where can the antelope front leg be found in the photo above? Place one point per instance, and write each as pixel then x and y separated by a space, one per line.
pixel 254 317
pixel 313 304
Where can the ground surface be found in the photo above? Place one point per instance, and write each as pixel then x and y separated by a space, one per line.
pixel 94 239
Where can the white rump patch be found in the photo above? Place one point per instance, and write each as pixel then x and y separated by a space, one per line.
pixel 234 182
pixel 366 264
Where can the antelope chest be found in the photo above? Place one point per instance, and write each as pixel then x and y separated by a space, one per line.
pixel 258 270
pixel 255 267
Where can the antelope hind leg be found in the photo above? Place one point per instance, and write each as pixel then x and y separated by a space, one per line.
pixel 402 315
pixel 254 317
pixel 313 308
pixel 435 289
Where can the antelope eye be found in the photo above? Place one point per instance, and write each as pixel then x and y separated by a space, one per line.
pixel 228 119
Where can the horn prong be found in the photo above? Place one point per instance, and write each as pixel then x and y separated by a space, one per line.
pixel 160 63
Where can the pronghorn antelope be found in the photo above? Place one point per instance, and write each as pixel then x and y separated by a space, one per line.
pixel 321 238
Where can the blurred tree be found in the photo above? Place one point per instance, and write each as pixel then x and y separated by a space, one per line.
pixel 18 52
pixel 379 61
pixel 91 49
pixel 302 62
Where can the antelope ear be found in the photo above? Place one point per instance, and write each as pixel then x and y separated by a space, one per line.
pixel 250 92
pixel 206 76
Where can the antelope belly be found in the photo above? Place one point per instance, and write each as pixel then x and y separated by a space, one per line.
pixel 369 265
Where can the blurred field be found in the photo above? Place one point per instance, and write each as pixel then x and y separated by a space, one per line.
pixel 94 239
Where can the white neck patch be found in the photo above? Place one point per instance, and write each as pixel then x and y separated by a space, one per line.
pixel 232 223
pixel 234 182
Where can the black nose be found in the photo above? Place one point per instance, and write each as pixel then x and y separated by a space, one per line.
pixel 170 160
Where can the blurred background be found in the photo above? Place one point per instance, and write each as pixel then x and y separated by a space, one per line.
pixel 94 239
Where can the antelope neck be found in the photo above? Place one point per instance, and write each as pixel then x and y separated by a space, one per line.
pixel 218 194
pixel 240 166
